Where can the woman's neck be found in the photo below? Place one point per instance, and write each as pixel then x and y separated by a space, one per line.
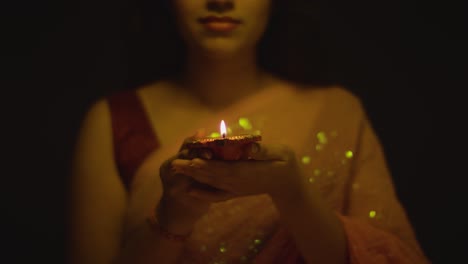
pixel 219 82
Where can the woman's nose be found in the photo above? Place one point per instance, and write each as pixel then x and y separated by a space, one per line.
pixel 220 6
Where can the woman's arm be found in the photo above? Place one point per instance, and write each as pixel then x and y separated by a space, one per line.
pixel 376 222
pixel 372 228
pixel 98 204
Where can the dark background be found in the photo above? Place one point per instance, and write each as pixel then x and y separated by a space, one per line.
pixel 406 59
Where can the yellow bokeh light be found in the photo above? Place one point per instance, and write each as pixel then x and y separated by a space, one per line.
pixel 306 159
pixel 215 135
pixel 222 249
pixel 317 172
pixel 245 123
pixel 322 137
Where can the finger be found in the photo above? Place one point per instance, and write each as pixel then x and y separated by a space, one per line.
pixel 193 170
pixel 206 170
pixel 182 154
pixel 214 172
pixel 210 196
pixel 225 174
pixel 198 134
pixel 182 163
pixel 172 176
pixel 256 151
pixel 179 184
pixel 165 168
pixel 202 186
pixel 203 153
pixel 188 152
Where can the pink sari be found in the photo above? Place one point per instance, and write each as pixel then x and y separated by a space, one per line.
pixel 339 152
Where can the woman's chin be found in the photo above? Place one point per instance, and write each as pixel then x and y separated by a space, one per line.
pixel 222 49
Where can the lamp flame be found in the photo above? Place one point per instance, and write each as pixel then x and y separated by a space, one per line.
pixel 222 128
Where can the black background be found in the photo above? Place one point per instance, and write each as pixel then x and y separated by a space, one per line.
pixel 406 59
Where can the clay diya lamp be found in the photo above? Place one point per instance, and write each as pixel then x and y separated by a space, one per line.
pixel 224 147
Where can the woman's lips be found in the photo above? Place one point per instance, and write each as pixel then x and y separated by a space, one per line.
pixel 219 24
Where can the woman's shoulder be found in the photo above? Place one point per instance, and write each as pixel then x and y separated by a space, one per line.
pixel 156 95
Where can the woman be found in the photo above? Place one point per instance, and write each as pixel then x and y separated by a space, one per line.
pixel 316 191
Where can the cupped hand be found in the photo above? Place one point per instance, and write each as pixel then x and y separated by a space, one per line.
pixel 184 199
pixel 271 169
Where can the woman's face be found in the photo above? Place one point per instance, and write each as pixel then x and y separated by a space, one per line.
pixel 222 27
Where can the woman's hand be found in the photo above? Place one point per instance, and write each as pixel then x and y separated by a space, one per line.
pixel 184 199
pixel 273 169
